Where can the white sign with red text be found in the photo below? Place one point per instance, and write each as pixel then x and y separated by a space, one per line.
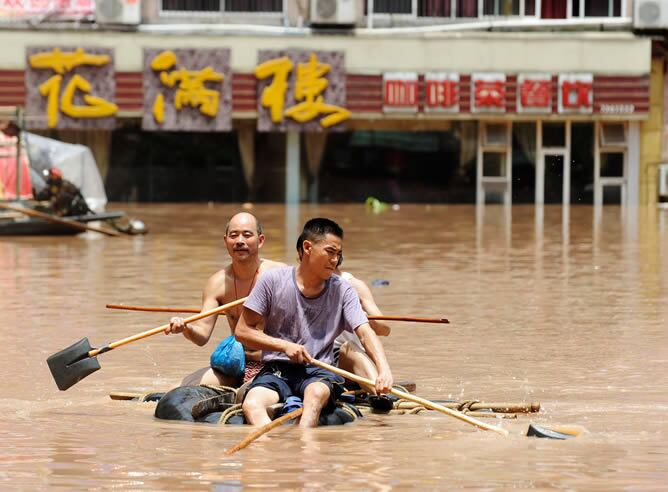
pixel 400 92
pixel 534 93
pixel 441 92
pixel 488 93
pixel 576 93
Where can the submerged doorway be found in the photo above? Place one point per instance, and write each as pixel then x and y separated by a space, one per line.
pixel 553 172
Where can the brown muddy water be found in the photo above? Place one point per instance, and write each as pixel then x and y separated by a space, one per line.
pixel 571 312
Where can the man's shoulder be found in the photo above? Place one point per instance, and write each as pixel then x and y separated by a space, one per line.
pixel 267 265
pixel 216 283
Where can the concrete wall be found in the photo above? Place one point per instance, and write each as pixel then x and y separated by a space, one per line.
pixel 598 53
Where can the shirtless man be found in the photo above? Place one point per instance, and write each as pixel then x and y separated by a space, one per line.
pixel 244 239
pixel 301 311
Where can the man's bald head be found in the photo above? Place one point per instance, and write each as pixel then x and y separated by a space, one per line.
pixel 243 218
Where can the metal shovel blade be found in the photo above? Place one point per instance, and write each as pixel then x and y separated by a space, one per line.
pixel 539 431
pixel 71 365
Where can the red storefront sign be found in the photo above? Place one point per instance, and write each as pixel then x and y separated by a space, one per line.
pixel 576 93
pixel 488 94
pixel 400 92
pixel 534 93
pixel 441 92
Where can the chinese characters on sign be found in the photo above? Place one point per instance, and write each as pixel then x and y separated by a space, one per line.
pixel 534 93
pixel 576 93
pixel 187 90
pixel 400 92
pixel 301 90
pixel 488 92
pixel 441 92
pixel 70 88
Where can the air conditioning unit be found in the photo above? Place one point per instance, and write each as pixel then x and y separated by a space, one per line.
pixel 333 12
pixel 118 12
pixel 650 14
pixel 663 182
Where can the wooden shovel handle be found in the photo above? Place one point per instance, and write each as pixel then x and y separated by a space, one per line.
pixel 162 328
pixel 73 224
pixel 263 430
pixel 151 309
pixel 409 318
pixel 190 310
pixel 416 399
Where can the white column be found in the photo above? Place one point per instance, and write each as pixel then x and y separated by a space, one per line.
pixel 369 14
pixel 508 195
pixel 480 189
pixel 598 192
pixel 292 167
pixel 540 165
pixel 566 186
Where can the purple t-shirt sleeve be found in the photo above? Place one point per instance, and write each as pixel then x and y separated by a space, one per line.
pixel 259 300
pixel 353 314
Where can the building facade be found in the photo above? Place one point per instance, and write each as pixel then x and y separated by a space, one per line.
pixel 453 101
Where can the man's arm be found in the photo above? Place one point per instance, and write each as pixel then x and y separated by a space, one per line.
pixel 248 333
pixel 370 307
pixel 374 349
pixel 199 332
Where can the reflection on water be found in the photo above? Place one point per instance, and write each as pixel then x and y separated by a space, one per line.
pixel 566 308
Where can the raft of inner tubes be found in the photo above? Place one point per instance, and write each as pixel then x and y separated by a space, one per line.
pixel 217 405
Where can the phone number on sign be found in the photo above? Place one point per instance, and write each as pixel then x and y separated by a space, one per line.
pixel 617 108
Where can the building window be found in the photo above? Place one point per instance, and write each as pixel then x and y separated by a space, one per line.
pixel 253 5
pixel 393 7
pixel 596 8
pixel 469 8
pixel 466 8
pixel 507 7
pixel 562 9
pixel 191 5
pixel 217 6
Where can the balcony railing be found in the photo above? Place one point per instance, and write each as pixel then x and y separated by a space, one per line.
pixel 547 9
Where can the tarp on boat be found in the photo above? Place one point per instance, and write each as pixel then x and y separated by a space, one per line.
pixel 8 170
pixel 74 160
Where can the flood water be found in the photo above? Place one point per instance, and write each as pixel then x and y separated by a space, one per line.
pixel 569 312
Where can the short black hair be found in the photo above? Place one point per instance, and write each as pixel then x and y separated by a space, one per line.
pixel 259 228
pixel 315 230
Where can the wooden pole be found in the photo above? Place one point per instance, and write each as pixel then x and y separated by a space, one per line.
pixel 263 430
pixel 154 331
pixel 72 224
pixel 407 396
pixel 191 310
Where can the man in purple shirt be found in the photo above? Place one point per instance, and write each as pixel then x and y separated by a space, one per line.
pixel 304 309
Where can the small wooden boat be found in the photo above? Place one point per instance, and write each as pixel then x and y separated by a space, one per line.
pixel 12 224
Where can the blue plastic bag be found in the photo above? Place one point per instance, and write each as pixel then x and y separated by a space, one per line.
pixel 229 358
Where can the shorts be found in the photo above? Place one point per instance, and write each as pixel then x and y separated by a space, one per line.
pixel 288 379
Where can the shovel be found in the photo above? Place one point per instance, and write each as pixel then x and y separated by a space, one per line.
pixel 71 365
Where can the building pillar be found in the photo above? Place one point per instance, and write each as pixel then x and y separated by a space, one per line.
pixel 292 166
